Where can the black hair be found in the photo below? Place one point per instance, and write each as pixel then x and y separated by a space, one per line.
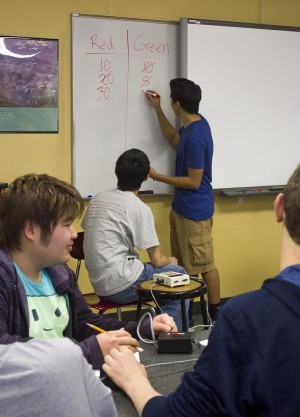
pixel 187 93
pixel 132 168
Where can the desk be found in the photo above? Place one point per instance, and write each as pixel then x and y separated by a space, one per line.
pixel 164 378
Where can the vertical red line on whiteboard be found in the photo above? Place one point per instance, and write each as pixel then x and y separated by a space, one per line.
pixel 127 87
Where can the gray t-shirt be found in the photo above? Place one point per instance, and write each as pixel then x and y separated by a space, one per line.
pixel 115 222
pixel 50 378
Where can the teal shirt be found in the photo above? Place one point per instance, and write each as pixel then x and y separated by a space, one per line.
pixel 48 311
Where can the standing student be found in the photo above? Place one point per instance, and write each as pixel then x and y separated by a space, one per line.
pixel 251 365
pixel 193 202
pixel 116 222
pixel 39 295
pixel 50 378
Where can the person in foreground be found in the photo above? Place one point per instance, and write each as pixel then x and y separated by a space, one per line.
pixel 251 364
pixel 116 222
pixel 50 378
pixel 193 202
pixel 39 295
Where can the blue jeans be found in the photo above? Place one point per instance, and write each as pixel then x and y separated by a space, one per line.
pixel 173 308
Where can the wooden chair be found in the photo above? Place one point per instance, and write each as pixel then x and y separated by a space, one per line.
pixel 102 306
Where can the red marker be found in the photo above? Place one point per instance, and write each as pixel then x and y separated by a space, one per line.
pixel 155 95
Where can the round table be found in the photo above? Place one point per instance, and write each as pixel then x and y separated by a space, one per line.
pixel 196 288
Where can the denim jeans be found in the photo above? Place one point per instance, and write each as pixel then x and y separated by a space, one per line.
pixel 173 308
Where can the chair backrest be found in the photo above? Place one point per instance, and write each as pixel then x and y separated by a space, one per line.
pixel 77 250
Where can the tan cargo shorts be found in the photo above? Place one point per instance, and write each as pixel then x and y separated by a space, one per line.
pixel 192 243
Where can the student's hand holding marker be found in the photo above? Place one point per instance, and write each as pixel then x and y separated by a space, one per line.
pixel 151 93
pixel 153 97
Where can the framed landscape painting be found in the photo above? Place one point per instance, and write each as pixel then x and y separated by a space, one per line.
pixel 28 84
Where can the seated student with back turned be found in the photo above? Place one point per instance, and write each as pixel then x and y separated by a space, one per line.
pixel 39 295
pixel 115 222
pixel 50 378
pixel 251 365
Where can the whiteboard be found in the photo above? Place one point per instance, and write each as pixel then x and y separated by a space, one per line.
pixel 113 61
pixel 250 80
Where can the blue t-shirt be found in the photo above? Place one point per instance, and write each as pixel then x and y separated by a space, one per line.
pixel 195 150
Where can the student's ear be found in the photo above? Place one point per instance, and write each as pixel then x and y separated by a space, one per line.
pixel 177 105
pixel 278 207
pixel 29 229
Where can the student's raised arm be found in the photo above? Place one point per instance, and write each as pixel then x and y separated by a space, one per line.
pixel 169 131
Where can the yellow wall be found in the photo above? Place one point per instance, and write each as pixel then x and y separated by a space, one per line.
pixel 247 241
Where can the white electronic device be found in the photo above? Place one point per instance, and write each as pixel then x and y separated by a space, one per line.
pixel 171 279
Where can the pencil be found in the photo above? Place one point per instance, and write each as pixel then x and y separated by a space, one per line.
pixel 96 328
pixel 139 349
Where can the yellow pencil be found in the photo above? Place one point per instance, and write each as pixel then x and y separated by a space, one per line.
pixel 139 349
pixel 96 328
